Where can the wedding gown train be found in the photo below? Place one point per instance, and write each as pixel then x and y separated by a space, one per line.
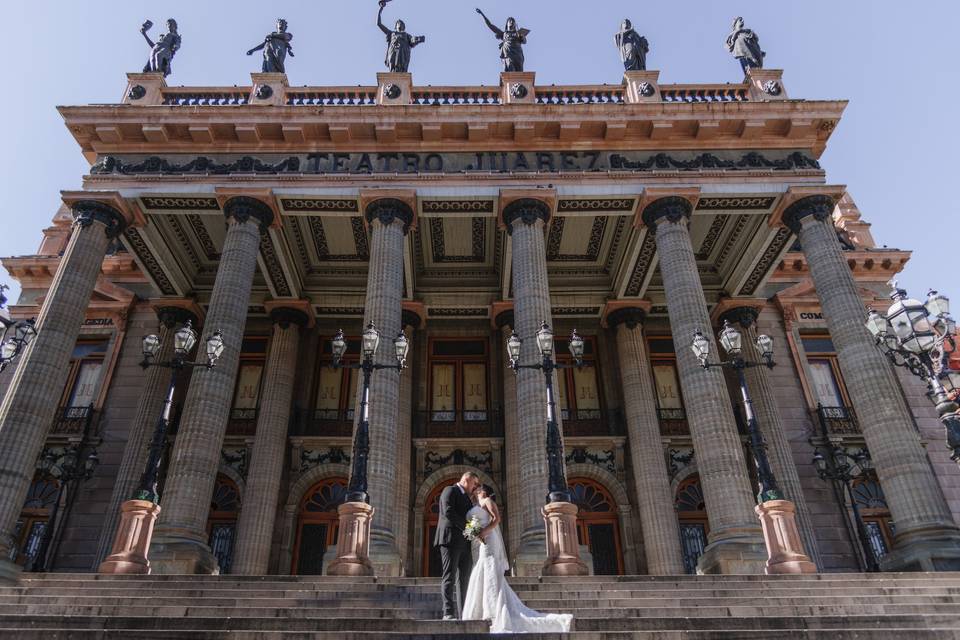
pixel 489 596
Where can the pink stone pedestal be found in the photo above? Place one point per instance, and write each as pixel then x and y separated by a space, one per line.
pixel 563 548
pixel 132 542
pixel 785 550
pixel 353 545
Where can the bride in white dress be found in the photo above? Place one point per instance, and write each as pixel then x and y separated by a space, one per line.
pixel 489 597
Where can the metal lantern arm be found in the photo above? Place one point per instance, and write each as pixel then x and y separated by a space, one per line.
pixel 214 349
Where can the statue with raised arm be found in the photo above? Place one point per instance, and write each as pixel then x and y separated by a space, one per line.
pixel 511 45
pixel 163 50
pixel 399 43
pixel 744 44
pixel 633 48
pixel 275 47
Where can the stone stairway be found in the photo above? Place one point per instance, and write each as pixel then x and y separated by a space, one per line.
pixel 835 606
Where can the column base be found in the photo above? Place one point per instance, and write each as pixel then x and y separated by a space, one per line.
pixel 785 554
pixel 132 541
pixel 528 560
pixel 563 548
pixel 924 550
pixel 176 552
pixel 353 546
pixel 738 553
pixel 385 558
pixel 9 572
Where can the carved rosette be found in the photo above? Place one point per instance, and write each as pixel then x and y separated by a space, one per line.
pixel 87 212
pixel 137 92
pixel 672 208
pixel 820 207
pixel 526 211
pixel 243 208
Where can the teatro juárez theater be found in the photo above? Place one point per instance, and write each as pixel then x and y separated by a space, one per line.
pixel 266 218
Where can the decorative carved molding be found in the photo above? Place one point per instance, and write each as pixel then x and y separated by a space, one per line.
pixel 671 208
pixel 389 210
pixel 172 317
pixel 203 237
pixel 321 205
pixel 478 242
pixel 457 312
pixel 767 261
pixel 555 238
pixel 746 203
pixel 157 165
pixel 310 458
pixel 605 459
pixel 243 208
pixel 433 461
pixel 640 270
pixel 319 236
pixel 575 311
pixel 287 316
pixel 86 212
pixel 745 316
pixel 177 227
pixel 149 262
pixel 457 206
pixel 596 204
pixel 274 270
pixel 819 206
pixel 632 317
pixel 728 247
pixel 526 211
pixel 170 203
pixel 712 237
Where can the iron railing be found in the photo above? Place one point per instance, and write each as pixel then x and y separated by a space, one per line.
pixel 73 420
pixel 458 424
pixel 322 422
pixel 838 420
pixel 593 422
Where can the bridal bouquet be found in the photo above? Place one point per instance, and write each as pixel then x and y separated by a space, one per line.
pixel 472 531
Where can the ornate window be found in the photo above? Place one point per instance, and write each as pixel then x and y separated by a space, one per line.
pixel 222 522
pixel 246 395
pixel 666 379
pixel 826 383
pixel 335 396
pixel 694 525
pixel 459 400
pixel 318 525
pixel 31 527
pixel 872 503
pixel 598 525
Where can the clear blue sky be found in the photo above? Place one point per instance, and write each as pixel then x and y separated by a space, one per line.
pixel 896 63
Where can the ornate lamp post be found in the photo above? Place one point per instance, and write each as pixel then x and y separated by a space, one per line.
pixel 138 515
pixel 560 515
pixel 836 464
pixel 914 335
pixel 777 515
pixel 66 467
pixel 15 336
pixel 353 548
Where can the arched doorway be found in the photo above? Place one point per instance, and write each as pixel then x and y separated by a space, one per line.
pixel 317 525
pixel 694 525
pixel 431 519
pixel 598 525
pixel 222 522
pixel 876 515
pixel 31 528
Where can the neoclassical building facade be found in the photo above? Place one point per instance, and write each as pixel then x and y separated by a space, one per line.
pixel 637 214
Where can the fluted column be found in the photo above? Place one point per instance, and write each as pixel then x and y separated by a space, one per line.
pixel 30 402
pixel 389 221
pixel 779 452
pixel 152 395
pixel 262 491
pixel 511 438
pixel 180 541
pixel 735 541
pixel 926 538
pixel 411 321
pixel 655 501
pixel 525 220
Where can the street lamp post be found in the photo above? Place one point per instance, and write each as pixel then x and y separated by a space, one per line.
pixel 560 514
pixel 915 336
pixel 836 464
pixel 15 335
pixel 777 514
pixel 353 546
pixel 138 515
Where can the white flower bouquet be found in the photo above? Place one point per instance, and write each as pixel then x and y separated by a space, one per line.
pixel 472 531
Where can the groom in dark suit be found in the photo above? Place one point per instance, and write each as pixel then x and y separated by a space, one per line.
pixel 455 552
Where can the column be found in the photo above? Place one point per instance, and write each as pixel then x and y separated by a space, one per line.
pixel 30 402
pixel 152 396
pixel 511 437
pixel 262 492
pixel 768 416
pixel 525 220
pixel 180 540
pixel 655 500
pixel 411 322
pixel 389 220
pixel 927 538
pixel 735 541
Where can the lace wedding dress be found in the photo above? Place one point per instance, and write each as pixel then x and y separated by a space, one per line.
pixel 489 597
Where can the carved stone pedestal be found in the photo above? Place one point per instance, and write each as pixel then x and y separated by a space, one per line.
pixel 132 542
pixel 353 545
pixel 786 554
pixel 563 548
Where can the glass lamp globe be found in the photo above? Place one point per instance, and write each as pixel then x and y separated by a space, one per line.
pixel 545 340
pixel 937 304
pixel 184 340
pixel 402 346
pixel 92 462
pixel 877 324
pixel 8 351
pixel 151 346
pixel 338 346
pixel 701 346
pixel 215 346
pixel 910 322
pixel 730 339
pixel 765 346
pixel 820 462
pixel 513 347
pixel 576 346
pixel 371 341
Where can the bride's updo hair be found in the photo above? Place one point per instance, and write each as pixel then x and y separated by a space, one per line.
pixel 488 492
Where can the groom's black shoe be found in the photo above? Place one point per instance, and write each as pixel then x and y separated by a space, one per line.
pixel 449 617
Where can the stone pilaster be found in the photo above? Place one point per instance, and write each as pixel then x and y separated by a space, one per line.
pixel 260 498
pixel 735 541
pixel 525 220
pixel 411 322
pixel 927 539
pixel 30 403
pixel 389 221
pixel 180 541
pixel 655 501
pixel 771 426
pixel 152 396
pixel 511 438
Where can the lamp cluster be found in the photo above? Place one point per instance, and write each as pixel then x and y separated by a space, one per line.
pixel 184 340
pixel 544 345
pixel 15 336
pixel 732 342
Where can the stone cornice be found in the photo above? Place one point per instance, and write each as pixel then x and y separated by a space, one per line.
pixel 867 265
